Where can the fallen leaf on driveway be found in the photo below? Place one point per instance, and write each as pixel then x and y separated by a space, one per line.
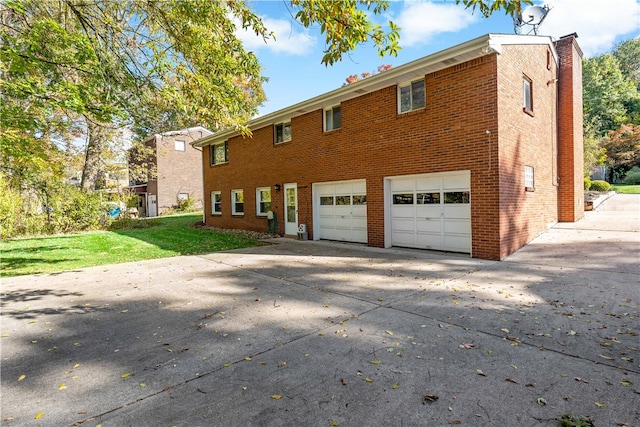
pixel 276 396
pixel 600 405
pixel 21 377
pixel 541 401
pixel 38 415
pixel 128 374
pixel 375 362
pixel 479 372
pixel 582 380
pixel 388 332
pixel 466 345
pixel 429 398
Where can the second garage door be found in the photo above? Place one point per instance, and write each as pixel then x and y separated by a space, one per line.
pixel 431 211
pixel 342 210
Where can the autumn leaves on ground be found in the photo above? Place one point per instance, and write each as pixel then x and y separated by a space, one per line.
pixel 312 333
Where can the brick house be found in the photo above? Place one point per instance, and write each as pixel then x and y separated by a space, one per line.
pixel 178 171
pixel 475 149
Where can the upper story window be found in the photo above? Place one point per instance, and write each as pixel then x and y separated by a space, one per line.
pixel 263 201
pixel 282 132
pixel 237 202
pixel 180 145
pixel 411 96
pixel 216 203
pixel 332 118
pixel 527 95
pixel 219 153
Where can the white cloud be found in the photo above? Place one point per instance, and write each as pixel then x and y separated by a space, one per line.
pixel 421 21
pixel 290 37
pixel 596 22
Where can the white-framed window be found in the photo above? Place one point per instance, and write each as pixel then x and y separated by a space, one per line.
pixel 332 118
pixel 529 182
pixel 219 153
pixel 216 203
pixel 237 202
pixel 282 132
pixel 527 94
pixel 411 96
pixel 179 145
pixel 263 201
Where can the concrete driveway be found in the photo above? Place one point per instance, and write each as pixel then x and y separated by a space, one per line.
pixel 324 334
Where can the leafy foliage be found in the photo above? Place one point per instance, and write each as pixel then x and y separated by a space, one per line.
pixel 633 176
pixel 623 147
pixel 599 185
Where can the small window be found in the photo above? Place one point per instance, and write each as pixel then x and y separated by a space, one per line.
pixel 456 197
pixel 428 198
pixel 237 202
pixel 263 201
pixel 332 118
pixel 403 199
pixel 219 153
pixel 180 145
pixel 216 203
pixel 359 200
pixel 282 132
pixel 343 200
pixel 528 178
pixel 412 96
pixel 326 200
pixel 527 95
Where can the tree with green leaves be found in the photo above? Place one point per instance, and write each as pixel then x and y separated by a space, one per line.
pixel 152 65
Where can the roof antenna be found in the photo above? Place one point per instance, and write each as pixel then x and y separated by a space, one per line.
pixel 530 19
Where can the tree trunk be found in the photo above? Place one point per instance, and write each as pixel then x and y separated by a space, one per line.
pixel 96 144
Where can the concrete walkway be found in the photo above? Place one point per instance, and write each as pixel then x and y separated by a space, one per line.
pixel 323 334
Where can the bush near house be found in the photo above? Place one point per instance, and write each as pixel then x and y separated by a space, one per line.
pixel 587 184
pixel 633 176
pixel 599 185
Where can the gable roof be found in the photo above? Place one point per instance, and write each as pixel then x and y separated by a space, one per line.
pixel 205 132
pixel 472 49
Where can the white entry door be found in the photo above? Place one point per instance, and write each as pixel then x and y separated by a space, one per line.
pixel 153 207
pixel 291 209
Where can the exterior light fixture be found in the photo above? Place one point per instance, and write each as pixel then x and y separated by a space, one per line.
pixel 277 187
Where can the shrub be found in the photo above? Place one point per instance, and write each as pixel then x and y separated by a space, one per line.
pixel 587 184
pixel 633 176
pixel 599 185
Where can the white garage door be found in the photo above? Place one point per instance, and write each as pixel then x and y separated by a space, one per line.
pixel 431 212
pixel 342 210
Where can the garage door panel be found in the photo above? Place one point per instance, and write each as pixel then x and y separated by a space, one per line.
pixel 434 208
pixel 426 226
pixel 342 211
pixel 403 238
pixel 452 226
pixel 458 243
pixel 457 211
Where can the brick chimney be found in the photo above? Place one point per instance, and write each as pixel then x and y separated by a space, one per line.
pixel 570 136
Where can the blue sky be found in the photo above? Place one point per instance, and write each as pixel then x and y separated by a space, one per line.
pixel 292 61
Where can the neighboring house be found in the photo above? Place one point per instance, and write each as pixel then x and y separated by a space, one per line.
pixel 177 171
pixel 476 149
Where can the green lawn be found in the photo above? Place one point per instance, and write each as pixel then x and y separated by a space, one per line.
pixel 626 189
pixel 129 240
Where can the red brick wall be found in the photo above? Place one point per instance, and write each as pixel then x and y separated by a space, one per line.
pixel 449 135
pixel 571 195
pixel 526 140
